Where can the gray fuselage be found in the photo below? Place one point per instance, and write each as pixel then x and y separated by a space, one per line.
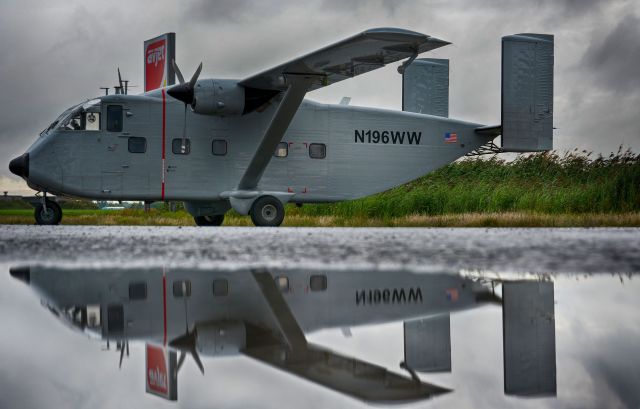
pixel 366 151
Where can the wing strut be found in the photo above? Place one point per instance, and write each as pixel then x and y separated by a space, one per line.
pixel 293 96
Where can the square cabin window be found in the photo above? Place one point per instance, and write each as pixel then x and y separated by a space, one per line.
pixel 318 282
pixel 318 151
pixel 282 282
pixel 114 118
pixel 138 290
pixel 182 288
pixel 176 146
pixel 282 150
pixel 219 147
pixel 220 287
pixel 137 144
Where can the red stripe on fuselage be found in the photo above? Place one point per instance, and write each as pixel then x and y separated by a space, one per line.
pixel 164 307
pixel 164 127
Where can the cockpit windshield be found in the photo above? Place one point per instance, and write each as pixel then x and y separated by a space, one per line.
pixel 81 117
pixel 85 117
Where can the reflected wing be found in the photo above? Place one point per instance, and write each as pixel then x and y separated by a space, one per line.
pixel 289 351
pixel 353 56
pixel 347 375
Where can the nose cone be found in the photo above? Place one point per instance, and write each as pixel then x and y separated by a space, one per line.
pixel 21 273
pixel 20 166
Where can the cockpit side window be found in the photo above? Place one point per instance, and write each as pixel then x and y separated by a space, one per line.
pixel 114 118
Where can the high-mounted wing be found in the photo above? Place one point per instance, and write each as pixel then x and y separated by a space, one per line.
pixel 289 351
pixel 353 56
pixel 356 55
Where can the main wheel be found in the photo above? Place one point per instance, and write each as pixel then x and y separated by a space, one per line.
pixel 215 220
pixel 49 216
pixel 267 211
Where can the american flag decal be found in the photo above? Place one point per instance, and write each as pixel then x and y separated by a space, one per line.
pixel 450 137
pixel 452 294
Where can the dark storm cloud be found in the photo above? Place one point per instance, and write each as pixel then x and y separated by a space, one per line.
pixel 614 60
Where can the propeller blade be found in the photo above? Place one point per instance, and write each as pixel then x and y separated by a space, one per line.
pixel 177 70
pixel 184 130
pixel 192 83
pixel 196 358
pixel 183 355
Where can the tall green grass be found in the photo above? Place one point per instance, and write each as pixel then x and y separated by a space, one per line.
pixel 546 182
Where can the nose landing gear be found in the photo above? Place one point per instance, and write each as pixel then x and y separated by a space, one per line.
pixel 48 212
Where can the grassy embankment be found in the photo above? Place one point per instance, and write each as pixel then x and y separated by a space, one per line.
pixel 535 190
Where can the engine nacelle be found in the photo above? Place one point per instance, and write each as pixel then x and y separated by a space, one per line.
pixel 221 338
pixel 218 97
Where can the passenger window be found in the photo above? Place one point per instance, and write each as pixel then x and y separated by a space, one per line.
pixel 182 288
pixel 318 282
pixel 282 150
pixel 317 150
pixel 220 287
pixel 138 290
pixel 219 147
pixel 137 144
pixel 176 146
pixel 114 118
pixel 282 282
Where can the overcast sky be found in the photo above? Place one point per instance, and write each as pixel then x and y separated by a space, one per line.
pixel 55 54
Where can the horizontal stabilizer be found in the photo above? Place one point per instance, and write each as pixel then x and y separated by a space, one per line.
pixel 425 87
pixel 529 338
pixel 427 344
pixel 527 93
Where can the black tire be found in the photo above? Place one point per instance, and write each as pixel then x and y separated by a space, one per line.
pixel 51 216
pixel 267 211
pixel 215 220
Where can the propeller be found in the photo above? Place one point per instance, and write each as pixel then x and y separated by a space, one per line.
pixel 187 343
pixel 184 92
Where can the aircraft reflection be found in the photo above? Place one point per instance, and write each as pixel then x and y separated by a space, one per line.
pixel 265 314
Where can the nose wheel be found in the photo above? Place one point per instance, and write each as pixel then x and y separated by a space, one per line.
pixel 267 211
pixel 48 213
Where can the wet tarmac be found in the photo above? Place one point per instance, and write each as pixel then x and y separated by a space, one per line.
pixel 504 250
pixel 319 317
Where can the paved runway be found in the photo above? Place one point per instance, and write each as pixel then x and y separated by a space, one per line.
pixel 501 250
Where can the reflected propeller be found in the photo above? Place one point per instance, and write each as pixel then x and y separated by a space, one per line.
pixel 187 343
pixel 184 92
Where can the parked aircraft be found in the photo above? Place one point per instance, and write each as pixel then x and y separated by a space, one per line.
pixel 256 144
pixel 266 315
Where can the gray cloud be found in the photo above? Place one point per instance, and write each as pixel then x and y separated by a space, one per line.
pixel 614 60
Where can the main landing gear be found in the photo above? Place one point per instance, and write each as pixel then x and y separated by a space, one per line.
pixel 267 211
pixel 48 212
pixel 215 220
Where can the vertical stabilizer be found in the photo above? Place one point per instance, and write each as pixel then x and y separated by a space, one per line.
pixel 529 343
pixel 425 87
pixel 527 92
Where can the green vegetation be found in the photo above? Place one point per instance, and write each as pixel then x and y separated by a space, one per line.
pixel 541 183
pixel 533 190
